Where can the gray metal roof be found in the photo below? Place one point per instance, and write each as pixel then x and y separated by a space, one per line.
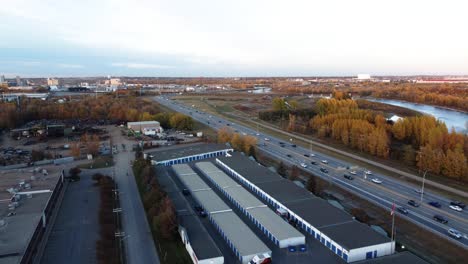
pixel 240 235
pixel 189 178
pixel 354 235
pixel 285 191
pixel 210 201
pixel 200 240
pixel 243 197
pixel 185 151
pixel 319 212
pixel 251 170
pixel 217 175
pixel 274 223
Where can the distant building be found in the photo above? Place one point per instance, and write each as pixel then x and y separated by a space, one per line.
pixel 2 79
pixel 395 118
pixel 113 82
pixel 146 127
pixel 21 88
pixel 52 82
pixel 363 77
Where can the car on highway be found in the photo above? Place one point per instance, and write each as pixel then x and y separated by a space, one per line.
pixel 227 124
pixel 349 177
pixel 312 154
pixel 313 162
pixel 454 233
pixel 353 172
pixel 377 181
pixel 323 170
pixel 303 165
pixel 324 161
pixel 402 210
pixel 288 155
pixel 458 203
pixel 293 145
pixel 456 208
pixel 413 203
pixel 306 155
pixel 220 121
pixel 435 204
pixel 267 139
pixel 418 191
pixel 368 172
pixel 440 219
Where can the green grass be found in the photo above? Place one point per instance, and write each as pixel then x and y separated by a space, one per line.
pixel 98 163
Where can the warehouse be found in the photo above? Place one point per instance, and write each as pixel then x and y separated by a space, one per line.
pixel 190 179
pixel 331 226
pixel 185 154
pixel 242 241
pixel 272 225
pixel 146 127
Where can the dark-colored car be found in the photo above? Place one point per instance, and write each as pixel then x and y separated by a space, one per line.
pixel 306 155
pixel 289 155
pixel 198 208
pixel 293 145
pixel 292 249
pixel 313 162
pixel 228 124
pixel 440 219
pixel 403 210
pixel 185 192
pixel 458 203
pixel 435 204
pixel 349 177
pixel 413 203
pixel 323 170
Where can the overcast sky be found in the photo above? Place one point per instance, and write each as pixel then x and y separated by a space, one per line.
pixel 232 38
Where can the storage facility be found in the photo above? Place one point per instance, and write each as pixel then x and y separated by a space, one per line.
pixel 334 228
pixel 272 225
pixel 189 153
pixel 243 242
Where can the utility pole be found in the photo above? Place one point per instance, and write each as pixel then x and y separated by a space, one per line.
pixel 393 228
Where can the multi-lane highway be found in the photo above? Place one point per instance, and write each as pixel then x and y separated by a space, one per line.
pixel 385 192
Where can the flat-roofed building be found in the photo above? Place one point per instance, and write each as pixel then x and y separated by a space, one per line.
pixel 146 127
pixel 188 153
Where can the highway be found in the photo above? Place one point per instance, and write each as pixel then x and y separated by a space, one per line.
pixel 384 194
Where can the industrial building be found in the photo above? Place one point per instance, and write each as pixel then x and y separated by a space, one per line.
pixel 242 241
pixel 188 153
pixel 149 128
pixel 334 228
pixel 275 228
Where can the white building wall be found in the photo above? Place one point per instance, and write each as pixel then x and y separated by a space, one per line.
pixel 381 250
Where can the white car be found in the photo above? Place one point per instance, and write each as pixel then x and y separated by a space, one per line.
pixel 456 208
pixel 375 180
pixel 312 154
pixel 454 233
pixel 303 165
pixel 353 172
pixel 368 172
pixel 267 139
pixel 325 161
pixel 257 134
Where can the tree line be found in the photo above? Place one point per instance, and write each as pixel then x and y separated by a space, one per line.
pixel 244 143
pixel 419 140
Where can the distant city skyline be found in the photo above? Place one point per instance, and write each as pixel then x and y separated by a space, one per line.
pixel 210 38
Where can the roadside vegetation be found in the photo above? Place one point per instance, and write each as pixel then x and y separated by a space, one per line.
pixel 160 212
pixel 243 143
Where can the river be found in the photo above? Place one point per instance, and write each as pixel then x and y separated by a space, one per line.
pixel 452 118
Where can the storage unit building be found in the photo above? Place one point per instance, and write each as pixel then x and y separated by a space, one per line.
pixel 242 241
pixel 272 225
pixel 188 153
pixel 333 227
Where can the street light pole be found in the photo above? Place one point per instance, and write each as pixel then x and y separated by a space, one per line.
pixel 422 188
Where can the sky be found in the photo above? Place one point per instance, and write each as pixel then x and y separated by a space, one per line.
pixel 186 38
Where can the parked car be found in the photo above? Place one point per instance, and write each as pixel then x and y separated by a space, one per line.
pixel 435 204
pixel 458 203
pixel 456 208
pixel 302 248
pixel 440 219
pixel 454 233
pixel 413 203
pixel 377 181
pixel 402 210
pixel 186 192
pixel 292 249
pixel 349 177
